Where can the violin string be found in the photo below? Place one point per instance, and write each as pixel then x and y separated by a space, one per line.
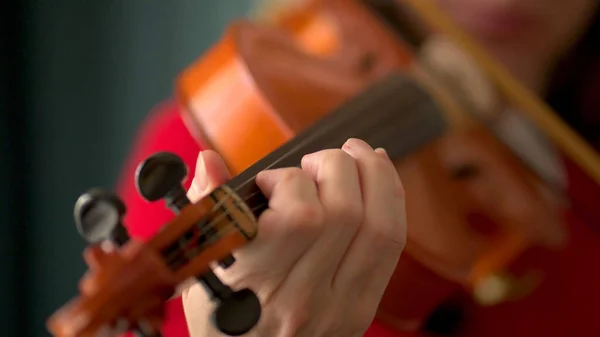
pixel 388 132
pixel 201 232
pixel 171 258
pixel 210 226
pixel 316 133
pixel 384 137
pixel 386 118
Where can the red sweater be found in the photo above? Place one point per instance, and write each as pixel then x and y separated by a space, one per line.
pixel 566 304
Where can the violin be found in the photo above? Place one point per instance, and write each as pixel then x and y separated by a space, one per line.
pixel 266 95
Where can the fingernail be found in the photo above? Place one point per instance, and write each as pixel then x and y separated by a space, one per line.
pixel 382 153
pixel 354 143
pixel 200 180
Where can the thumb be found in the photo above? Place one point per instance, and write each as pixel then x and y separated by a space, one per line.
pixel 211 172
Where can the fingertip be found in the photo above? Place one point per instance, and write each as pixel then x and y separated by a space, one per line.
pixel 382 153
pixel 309 165
pixel 356 143
pixel 266 182
pixel 306 160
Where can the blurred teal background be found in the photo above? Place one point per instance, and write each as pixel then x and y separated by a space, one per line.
pixel 77 79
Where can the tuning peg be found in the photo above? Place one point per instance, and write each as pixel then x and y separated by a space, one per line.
pixel 98 215
pixel 237 312
pixel 161 176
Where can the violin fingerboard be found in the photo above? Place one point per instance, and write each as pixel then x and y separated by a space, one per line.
pixel 395 113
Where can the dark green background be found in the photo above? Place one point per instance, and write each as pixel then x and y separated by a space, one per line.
pixel 77 78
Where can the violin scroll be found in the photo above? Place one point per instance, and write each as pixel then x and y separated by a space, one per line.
pixel 129 281
pixel 124 289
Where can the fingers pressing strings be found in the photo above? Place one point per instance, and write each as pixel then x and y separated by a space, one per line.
pixel 376 246
pixel 376 285
pixel 339 189
pixel 282 232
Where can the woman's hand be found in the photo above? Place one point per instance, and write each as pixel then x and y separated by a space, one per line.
pixel 326 247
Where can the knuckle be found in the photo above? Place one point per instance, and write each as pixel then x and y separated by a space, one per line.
pixel 292 174
pixel 342 209
pixel 339 157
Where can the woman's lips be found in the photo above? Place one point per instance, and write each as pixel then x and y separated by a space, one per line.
pixel 499 25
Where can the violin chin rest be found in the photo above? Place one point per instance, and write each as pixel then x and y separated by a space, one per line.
pixel 237 314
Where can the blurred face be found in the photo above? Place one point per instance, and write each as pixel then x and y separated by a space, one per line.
pixel 522 33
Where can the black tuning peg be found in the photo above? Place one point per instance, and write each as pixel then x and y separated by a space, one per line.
pixel 237 312
pixel 160 177
pixel 98 217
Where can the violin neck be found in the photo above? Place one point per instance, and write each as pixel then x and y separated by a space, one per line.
pixel 395 113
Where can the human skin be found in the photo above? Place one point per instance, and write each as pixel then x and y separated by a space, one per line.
pixel 308 264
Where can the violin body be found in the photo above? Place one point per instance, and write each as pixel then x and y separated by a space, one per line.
pixel 472 207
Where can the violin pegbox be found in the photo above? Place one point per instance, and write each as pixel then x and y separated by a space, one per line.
pixel 98 217
pixel 161 176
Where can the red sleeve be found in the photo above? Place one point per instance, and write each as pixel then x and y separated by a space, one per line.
pixel 164 130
